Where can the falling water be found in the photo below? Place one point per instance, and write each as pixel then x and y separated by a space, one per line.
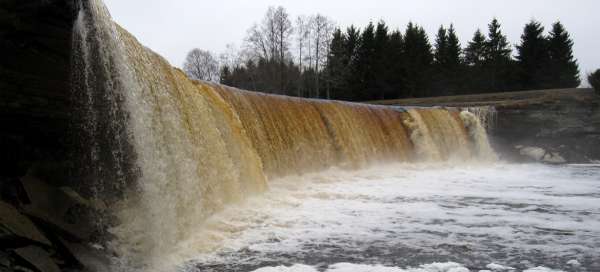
pixel 179 150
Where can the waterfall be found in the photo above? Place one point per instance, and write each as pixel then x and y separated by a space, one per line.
pixel 170 151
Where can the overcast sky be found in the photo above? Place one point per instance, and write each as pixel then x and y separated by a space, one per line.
pixel 173 27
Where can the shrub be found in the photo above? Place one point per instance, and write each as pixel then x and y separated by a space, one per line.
pixel 594 79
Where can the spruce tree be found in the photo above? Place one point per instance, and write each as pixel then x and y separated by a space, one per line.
pixel 474 59
pixel 365 63
pixel 379 85
pixel 498 63
pixel 441 46
pixel 337 64
pixel 418 61
pixel 564 69
pixel 533 58
pixel 396 74
pixel 351 45
pixel 448 65
pixel 439 77
pixel 454 66
pixel 475 52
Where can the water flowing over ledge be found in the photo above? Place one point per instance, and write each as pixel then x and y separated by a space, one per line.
pixel 172 151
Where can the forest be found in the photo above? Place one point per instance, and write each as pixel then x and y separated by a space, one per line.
pixel 312 57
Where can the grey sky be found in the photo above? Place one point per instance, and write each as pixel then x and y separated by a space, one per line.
pixel 172 28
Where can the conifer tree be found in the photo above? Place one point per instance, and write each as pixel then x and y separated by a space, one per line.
pixel 498 63
pixel 475 51
pixel 337 64
pixel 379 85
pixel 454 66
pixel 418 61
pixel 351 45
pixel 533 58
pixel 474 59
pixel 564 69
pixel 396 74
pixel 365 63
pixel 448 68
pixel 454 49
pixel 440 78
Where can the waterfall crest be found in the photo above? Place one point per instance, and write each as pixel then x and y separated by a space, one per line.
pixel 178 150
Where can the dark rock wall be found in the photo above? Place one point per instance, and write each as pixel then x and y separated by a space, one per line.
pixel 565 121
pixel 569 126
pixel 35 111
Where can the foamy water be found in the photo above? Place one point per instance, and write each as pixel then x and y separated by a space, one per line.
pixel 409 218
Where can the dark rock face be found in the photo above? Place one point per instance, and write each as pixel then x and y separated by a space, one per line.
pixel 35 111
pixel 562 122
pixel 41 221
pixel 569 127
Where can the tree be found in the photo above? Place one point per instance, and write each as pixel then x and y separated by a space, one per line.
pixel 447 62
pixel 395 73
pixel 365 58
pixel 321 30
pixel 441 46
pixel 498 62
pixel 379 85
pixel 594 80
pixel 475 51
pixel 351 47
pixel 564 69
pixel 337 68
pixel 201 65
pixel 418 61
pixel 533 57
pixel 474 59
pixel 270 41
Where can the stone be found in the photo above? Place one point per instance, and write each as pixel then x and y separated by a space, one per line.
pixel 553 157
pixel 56 207
pixel 19 225
pixel 38 257
pixel 535 153
pixel 91 258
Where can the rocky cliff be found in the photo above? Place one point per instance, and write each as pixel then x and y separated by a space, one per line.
pixel 555 126
pixel 35 42
pixel 43 219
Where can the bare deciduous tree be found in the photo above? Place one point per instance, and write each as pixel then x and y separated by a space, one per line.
pixel 201 65
pixel 321 29
pixel 270 40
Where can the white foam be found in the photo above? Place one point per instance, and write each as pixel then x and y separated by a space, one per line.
pixel 433 267
pixel 542 269
pixel 498 267
pixel 518 208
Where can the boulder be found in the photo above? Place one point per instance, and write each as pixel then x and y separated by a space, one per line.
pixel 61 209
pixel 91 258
pixel 16 224
pixel 532 152
pixel 38 258
pixel 540 155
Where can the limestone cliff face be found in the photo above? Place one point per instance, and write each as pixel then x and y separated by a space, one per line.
pixel 35 42
pixel 565 122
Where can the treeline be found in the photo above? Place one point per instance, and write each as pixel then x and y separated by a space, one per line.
pixel 313 58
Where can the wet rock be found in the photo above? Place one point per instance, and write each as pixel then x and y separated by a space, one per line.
pixel 535 153
pixel 91 258
pixel 60 209
pixel 553 157
pixel 38 258
pixel 540 155
pixel 15 224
